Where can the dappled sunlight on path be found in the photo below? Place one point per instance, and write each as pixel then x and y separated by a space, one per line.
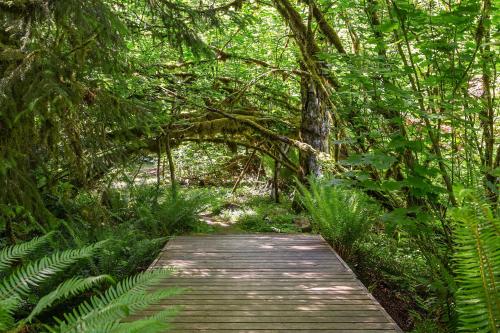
pixel 266 283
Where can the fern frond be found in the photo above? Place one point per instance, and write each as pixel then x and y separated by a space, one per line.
pixel 97 313
pixel 109 316
pixel 7 308
pixel 71 287
pixel 140 326
pixel 159 322
pixel 477 266
pixel 127 297
pixel 343 216
pixel 32 274
pixel 12 253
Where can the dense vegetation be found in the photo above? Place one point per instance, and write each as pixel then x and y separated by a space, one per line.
pixel 124 122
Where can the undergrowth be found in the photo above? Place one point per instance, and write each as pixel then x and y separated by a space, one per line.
pixel 25 299
pixel 130 226
pixel 264 215
pixel 426 281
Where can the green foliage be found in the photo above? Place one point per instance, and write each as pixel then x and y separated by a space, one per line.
pixel 265 215
pixel 87 89
pixel 343 216
pixel 258 223
pixel 103 312
pixel 19 283
pixel 136 220
pixel 477 264
pixel 10 254
pixel 69 288
pixel 180 213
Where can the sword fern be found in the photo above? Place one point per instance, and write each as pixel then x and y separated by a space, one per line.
pixel 477 265
pixel 103 312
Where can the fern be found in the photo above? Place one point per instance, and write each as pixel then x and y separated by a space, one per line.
pixel 126 298
pixel 12 253
pixel 152 324
pixel 71 287
pixel 341 215
pixel 32 274
pixel 7 309
pixel 477 265
pixel 101 313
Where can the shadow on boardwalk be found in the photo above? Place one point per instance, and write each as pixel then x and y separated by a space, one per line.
pixel 266 283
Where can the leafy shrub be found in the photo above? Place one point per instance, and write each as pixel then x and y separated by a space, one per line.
pixel 343 216
pixel 103 312
pixel 395 262
pixel 426 241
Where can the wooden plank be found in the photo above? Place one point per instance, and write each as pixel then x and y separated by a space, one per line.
pixel 240 293
pixel 228 288
pixel 269 269
pixel 265 283
pixel 238 247
pixel 283 314
pixel 306 297
pixel 240 241
pixel 244 257
pixel 278 279
pixel 256 283
pixel 333 330
pixel 264 302
pixel 269 307
pixel 327 270
pixel 247 264
pixel 284 325
pixel 211 260
pixel 279 319
pixel 249 274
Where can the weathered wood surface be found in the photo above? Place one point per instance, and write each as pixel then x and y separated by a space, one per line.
pixel 260 283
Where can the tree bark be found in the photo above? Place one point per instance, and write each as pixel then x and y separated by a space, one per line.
pixel 276 193
pixel 315 120
pixel 487 113
pixel 158 164
pixel 243 171
pixel 314 127
pixel 171 167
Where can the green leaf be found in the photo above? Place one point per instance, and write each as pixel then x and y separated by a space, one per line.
pixel 71 287
pixel 12 253
pixel 388 26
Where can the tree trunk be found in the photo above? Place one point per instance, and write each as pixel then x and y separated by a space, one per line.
pixel 171 167
pixel 314 127
pixel 158 164
pixel 243 171
pixel 487 115
pixel 276 190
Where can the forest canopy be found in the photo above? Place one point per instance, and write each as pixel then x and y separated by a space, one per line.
pixel 393 100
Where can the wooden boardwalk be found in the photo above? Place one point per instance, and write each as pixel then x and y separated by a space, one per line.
pixel 260 283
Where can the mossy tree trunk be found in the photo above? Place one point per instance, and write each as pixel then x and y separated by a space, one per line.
pixel 314 127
